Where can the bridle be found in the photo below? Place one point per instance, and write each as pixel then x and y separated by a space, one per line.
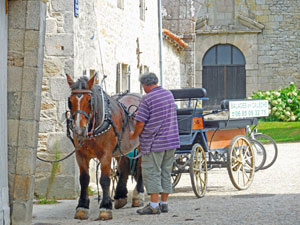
pixel 81 92
pixel 106 120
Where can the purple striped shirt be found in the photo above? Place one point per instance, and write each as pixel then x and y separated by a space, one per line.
pixel 157 110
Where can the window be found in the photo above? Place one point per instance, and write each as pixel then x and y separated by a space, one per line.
pixel 123 78
pixel 120 4
pixel 142 10
pixel 143 69
pixel 224 54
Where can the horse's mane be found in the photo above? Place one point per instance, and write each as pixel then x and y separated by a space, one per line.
pixel 81 83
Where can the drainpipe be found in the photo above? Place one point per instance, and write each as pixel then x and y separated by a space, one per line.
pixel 160 42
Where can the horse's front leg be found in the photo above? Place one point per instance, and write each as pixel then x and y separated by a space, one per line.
pixel 121 189
pixel 82 208
pixel 106 203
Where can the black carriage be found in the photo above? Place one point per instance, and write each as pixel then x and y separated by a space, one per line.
pixel 206 144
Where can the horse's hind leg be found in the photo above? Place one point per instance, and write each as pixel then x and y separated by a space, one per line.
pixel 121 189
pixel 84 202
pixel 138 192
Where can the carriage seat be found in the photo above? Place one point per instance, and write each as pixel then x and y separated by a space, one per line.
pixel 189 111
pixel 188 93
pixel 185 119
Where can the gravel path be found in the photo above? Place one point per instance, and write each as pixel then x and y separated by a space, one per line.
pixel 273 198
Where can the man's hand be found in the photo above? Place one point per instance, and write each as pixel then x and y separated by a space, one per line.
pixel 131 136
pixel 137 131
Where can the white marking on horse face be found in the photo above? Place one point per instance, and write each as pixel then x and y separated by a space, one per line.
pixel 78 115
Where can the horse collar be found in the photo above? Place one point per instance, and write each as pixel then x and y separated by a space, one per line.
pixel 105 126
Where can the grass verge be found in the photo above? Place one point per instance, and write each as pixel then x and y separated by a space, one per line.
pixel 280 131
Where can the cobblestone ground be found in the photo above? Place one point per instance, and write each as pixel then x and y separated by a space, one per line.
pixel 273 198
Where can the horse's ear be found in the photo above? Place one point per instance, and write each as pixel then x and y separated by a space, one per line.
pixel 70 81
pixel 90 83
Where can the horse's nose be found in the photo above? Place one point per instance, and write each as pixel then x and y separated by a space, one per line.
pixel 81 131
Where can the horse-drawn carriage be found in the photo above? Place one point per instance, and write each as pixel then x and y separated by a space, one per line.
pixel 100 125
pixel 207 144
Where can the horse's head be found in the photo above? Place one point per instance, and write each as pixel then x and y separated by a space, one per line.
pixel 80 104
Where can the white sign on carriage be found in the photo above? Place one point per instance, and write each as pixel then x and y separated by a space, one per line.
pixel 248 109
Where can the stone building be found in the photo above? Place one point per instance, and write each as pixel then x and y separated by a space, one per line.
pixel 72 46
pixel 237 47
pixel 95 40
pixel 22 25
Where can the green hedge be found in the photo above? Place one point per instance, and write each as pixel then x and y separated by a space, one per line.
pixel 284 104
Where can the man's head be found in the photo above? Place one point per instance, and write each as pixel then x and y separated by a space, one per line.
pixel 149 81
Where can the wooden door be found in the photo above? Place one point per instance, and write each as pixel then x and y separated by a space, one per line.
pixel 224 75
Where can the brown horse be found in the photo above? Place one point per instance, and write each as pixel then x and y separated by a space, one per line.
pixel 100 127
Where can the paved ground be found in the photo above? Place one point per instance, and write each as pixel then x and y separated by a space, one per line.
pixel 273 198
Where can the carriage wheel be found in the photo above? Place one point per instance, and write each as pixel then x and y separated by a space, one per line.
pixel 259 155
pixel 198 170
pixel 175 175
pixel 113 178
pixel 271 149
pixel 241 164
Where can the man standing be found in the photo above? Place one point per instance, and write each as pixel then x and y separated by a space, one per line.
pixel 157 128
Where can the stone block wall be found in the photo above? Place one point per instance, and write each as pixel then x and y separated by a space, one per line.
pixel 26 28
pixel 279 43
pixel 179 18
pixel 172 65
pixel 4 201
pixel 103 33
pixel 267 32
pixel 52 140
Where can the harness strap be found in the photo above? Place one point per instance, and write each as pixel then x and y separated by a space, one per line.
pixel 81 112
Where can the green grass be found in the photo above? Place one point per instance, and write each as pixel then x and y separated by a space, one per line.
pixel 43 200
pixel 280 131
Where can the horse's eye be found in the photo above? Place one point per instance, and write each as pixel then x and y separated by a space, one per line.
pixel 69 104
pixel 90 103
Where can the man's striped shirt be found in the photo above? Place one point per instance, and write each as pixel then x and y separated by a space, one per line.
pixel 158 111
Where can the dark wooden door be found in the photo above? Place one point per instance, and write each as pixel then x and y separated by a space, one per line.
pixel 224 75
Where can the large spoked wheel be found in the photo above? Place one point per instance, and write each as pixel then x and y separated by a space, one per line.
pixel 175 175
pixel 259 155
pixel 270 147
pixel 114 178
pixel 198 170
pixel 241 163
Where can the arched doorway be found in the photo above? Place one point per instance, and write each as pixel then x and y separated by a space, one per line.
pixel 224 74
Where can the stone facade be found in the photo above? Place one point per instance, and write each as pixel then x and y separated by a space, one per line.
pixel 266 32
pixel 26 27
pixel 52 140
pixel 4 201
pixel 96 40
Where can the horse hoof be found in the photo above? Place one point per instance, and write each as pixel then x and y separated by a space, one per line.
pixel 121 202
pixel 81 214
pixel 105 214
pixel 136 202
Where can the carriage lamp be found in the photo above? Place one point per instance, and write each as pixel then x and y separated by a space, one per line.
pixel 197 123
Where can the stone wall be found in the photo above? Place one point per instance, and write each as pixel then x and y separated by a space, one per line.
pixel 279 43
pixel 179 18
pixel 26 28
pixel 80 45
pixel 52 141
pixel 172 57
pixel 4 202
pixel 267 32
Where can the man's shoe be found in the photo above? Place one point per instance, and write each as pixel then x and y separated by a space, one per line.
pixel 148 209
pixel 164 208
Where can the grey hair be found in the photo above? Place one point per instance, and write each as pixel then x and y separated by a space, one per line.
pixel 148 79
